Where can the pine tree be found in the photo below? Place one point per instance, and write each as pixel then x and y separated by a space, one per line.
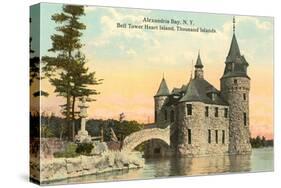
pixel 67 70
pixel 65 43
pixel 81 79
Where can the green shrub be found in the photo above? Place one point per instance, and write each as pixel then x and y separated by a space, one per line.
pixel 69 152
pixel 84 148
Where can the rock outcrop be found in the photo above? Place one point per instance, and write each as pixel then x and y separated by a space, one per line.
pixel 53 169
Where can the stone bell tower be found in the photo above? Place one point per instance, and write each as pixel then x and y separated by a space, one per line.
pixel 235 88
pixel 159 100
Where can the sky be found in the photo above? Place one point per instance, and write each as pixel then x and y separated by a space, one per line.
pixel 132 62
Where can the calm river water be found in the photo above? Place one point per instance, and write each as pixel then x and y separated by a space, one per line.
pixel 260 160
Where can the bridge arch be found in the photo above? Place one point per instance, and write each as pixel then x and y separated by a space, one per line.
pixel 136 138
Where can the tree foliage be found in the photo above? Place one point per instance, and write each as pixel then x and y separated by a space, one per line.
pixel 93 126
pixel 34 70
pixel 259 142
pixel 66 70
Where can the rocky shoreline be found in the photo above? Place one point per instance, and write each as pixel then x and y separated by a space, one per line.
pixel 55 169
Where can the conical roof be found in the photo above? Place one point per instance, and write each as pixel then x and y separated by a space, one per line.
pixel 234 50
pixel 198 62
pixel 235 64
pixel 163 89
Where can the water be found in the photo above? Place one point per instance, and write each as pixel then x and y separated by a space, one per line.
pixel 260 160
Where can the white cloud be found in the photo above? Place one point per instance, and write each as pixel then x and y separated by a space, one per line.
pixel 109 22
pixel 263 25
pixel 168 47
pixel 131 52
pixel 88 8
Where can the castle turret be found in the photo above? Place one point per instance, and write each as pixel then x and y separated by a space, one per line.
pixel 199 74
pixel 235 87
pixel 159 100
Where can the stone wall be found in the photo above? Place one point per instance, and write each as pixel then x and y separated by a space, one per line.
pixel 218 124
pixel 233 90
pixel 199 125
pixel 42 148
pixel 49 146
pixel 159 101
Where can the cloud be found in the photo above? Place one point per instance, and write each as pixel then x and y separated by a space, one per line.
pixel 109 20
pixel 89 9
pixel 131 52
pixel 262 25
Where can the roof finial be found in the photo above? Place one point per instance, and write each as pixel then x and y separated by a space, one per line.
pixel 163 75
pixel 233 24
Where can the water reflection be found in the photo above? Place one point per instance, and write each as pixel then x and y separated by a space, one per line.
pixel 199 165
pixel 259 160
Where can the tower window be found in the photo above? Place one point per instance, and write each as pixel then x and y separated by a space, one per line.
pixel 209 136
pixel 235 81
pixel 213 96
pixel 216 112
pixel 165 115
pixel 245 118
pixel 207 111
pixel 172 118
pixel 216 136
pixel 225 112
pixel 155 116
pixel 189 109
pixel 189 136
pixel 223 137
pixel 244 96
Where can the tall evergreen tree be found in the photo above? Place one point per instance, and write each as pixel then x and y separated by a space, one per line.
pixel 81 80
pixel 66 70
pixel 64 45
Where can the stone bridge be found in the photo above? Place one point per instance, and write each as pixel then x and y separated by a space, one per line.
pixel 136 138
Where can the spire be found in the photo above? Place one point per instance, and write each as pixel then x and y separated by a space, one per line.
pixel 198 61
pixel 199 73
pixel 191 70
pixel 163 88
pixel 235 64
pixel 233 22
pixel 234 50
